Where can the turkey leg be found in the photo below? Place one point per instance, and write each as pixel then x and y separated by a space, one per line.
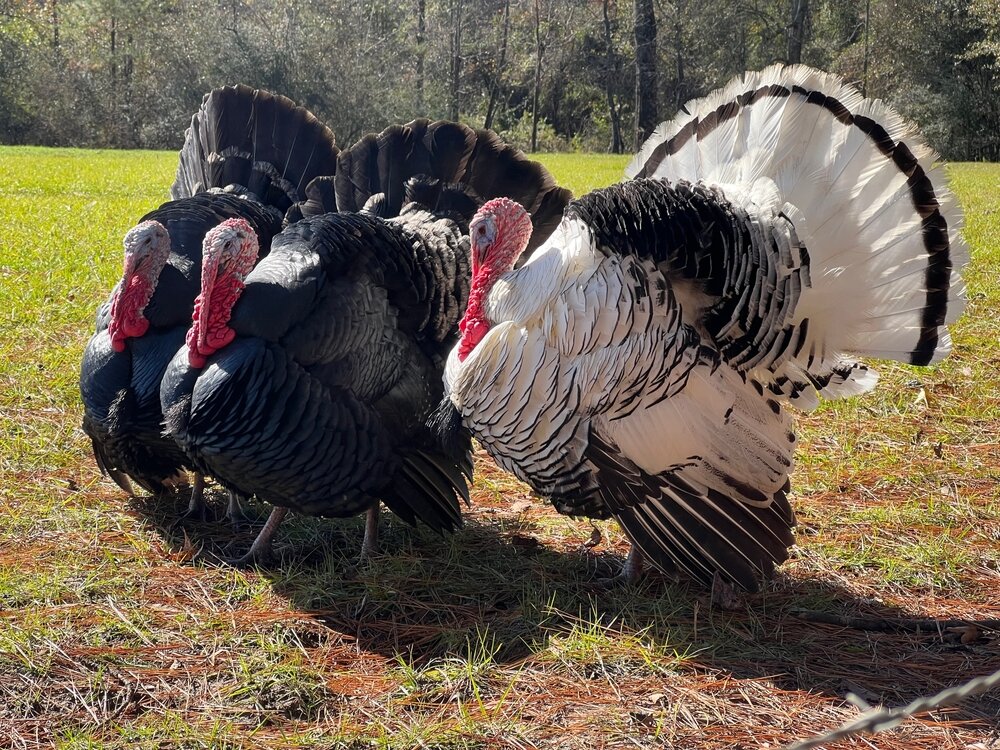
pixel 371 533
pixel 630 572
pixel 261 551
pixel 197 509
pixel 234 512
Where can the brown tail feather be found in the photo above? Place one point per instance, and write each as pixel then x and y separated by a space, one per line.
pixel 450 152
pixel 256 140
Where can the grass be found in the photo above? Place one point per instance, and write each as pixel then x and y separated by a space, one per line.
pixel 498 636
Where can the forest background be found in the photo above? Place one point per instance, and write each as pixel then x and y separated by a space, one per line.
pixel 548 75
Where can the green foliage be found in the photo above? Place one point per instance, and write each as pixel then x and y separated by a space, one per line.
pixel 497 636
pixel 103 73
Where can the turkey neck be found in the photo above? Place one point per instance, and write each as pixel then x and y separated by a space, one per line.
pixel 127 307
pixel 213 308
pixel 474 325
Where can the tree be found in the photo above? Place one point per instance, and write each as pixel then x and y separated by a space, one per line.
pixel 645 71
pixel 421 53
pixel 797 30
pixel 611 73
pixel 455 39
pixel 536 89
pixel 497 78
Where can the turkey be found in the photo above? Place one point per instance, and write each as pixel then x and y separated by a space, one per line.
pixel 248 154
pixel 308 380
pixel 639 365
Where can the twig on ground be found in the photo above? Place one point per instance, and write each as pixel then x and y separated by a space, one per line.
pixel 880 719
pixel 893 625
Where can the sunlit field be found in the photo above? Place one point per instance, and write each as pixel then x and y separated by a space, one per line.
pixel 499 636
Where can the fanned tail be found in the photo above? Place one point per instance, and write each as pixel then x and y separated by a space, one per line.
pixel 877 226
pixel 251 141
pixel 451 153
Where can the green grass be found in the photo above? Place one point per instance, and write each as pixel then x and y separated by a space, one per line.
pixel 498 636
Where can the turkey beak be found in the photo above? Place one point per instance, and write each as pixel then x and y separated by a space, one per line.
pixel 132 262
pixel 482 244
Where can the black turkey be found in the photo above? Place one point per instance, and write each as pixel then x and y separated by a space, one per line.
pixel 308 382
pixel 639 364
pixel 248 154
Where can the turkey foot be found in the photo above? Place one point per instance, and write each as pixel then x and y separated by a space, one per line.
pixel 234 513
pixel 371 534
pixel 261 552
pixel 630 572
pixel 197 509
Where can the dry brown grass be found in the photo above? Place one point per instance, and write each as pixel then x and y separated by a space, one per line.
pixel 498 637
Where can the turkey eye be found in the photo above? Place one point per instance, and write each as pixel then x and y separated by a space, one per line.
pixel 482 230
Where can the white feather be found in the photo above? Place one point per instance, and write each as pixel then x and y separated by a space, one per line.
pixel 849 203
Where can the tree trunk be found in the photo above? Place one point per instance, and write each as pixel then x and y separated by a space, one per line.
pixel 421 53
pixel 501 64
pixel 645 71
pixel 129 110
pixel 114 127
pixel 55 24
pixel 617 145
pixel 864 75
pixel 680 94
pixel 456 59
pixel 797 30
pixel 538 76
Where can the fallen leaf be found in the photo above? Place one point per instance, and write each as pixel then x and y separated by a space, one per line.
pixel 595 538
pixel 187 551
pixel 520 506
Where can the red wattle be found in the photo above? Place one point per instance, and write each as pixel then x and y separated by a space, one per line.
pixel 196 360
pixel 127 320
pixel 474 325
pixel 473 332
pixel 209 333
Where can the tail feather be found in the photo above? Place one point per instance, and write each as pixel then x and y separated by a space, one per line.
pixel 357 174
pixel 320 198
pixel 383 163
pixel 249 140
pixel 424 490
pixel 867 200
pixel 449 146
pixel 452 153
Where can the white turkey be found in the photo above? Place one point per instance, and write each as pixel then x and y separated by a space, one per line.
pixel 308 380
pixel 248 154
pixel 639 365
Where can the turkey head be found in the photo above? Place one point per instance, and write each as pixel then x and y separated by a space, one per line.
pixel 500 232
pixel 147 247
pixel 228 254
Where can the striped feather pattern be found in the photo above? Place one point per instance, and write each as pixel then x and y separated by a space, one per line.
pixel 637 365
pixel 609 361
pixel 866 197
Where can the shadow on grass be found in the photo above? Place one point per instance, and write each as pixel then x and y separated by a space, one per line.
pixel 492 592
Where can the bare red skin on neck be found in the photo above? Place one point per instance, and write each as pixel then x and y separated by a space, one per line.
pixel 210 333
pixel 513 230
pixel 220 289
pixel 127 306
pixel 147 247
pixel 474 325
